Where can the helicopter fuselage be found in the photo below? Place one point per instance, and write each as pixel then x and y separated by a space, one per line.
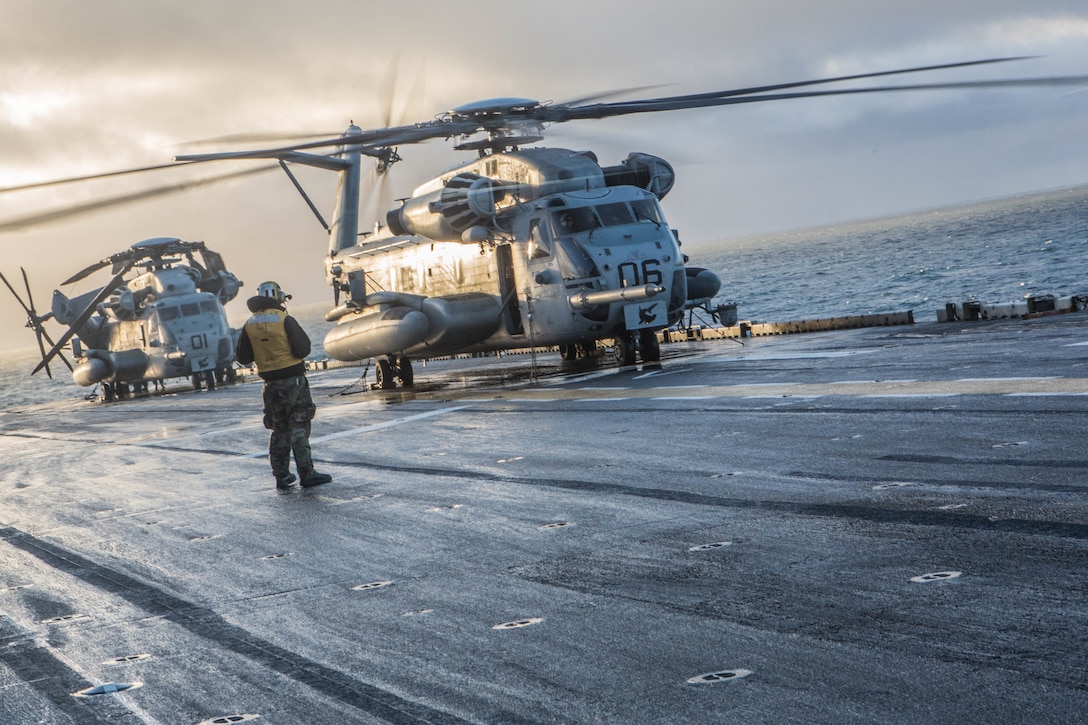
pixel 515 249
pixel 166 322
pixel 174 337
pixel 574 267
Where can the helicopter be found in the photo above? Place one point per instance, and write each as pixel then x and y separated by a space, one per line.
pixel 165 321
pixel 523 246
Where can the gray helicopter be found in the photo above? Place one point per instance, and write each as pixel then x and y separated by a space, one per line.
pixel 520 247
pixel 165 321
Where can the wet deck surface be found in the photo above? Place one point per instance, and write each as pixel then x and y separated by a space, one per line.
pixel 880 525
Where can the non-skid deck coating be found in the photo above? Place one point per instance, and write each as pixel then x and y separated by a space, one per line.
pixel 885 525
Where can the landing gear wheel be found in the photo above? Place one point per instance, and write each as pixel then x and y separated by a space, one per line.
pixel 108 394
pixel 209 378
pixel 568 352
pixel 384 376
pixel 649 347
pixel 198 381
pixel 404 371
pixel 624 350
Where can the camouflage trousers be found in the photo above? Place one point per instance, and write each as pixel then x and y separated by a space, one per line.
pixel 288 410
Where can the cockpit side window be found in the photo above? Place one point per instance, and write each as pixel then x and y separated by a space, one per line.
pixel 169 313
pixel 574 261
pixel 539 244
pixel 190 308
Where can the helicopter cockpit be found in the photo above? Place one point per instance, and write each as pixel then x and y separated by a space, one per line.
pixel 582 231
pixel 573 220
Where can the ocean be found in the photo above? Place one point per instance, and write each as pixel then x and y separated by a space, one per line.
pixel 995 251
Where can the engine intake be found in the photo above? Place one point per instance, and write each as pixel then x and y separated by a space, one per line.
pixel 469 199
pixel 465 201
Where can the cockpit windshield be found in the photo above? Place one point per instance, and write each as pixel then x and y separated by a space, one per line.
pixel 612 215
pixel 585 218
pixel 572 221
pixel 647 210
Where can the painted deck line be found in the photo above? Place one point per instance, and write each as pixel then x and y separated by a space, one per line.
pixel 374 427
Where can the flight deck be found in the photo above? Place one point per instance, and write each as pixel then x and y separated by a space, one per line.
pixel 882 525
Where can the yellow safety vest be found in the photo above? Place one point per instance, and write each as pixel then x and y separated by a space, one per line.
pixel 268 338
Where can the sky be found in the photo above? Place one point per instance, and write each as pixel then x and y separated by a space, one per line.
pixel 114 84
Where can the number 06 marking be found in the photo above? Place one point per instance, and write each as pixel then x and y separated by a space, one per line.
pixel 631 275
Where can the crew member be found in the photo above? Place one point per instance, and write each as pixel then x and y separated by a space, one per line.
pixel 278 345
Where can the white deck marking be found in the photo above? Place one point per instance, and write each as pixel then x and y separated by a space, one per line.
pixel 1043 395
pixel 1006 380
pixel 373 427
pixel 679 387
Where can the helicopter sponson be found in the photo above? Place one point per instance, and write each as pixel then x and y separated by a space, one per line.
pixel 413 322
pixel 98 366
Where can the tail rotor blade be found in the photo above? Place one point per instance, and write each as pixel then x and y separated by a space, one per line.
pixel 82 318
pixel 34 320
pixel 388 90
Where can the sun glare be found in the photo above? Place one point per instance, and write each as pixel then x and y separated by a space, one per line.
pixel 27 108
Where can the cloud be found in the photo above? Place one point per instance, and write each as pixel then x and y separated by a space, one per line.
pixel 88 87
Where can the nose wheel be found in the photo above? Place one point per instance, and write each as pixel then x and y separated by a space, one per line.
pixel 628 348
pixel 624 350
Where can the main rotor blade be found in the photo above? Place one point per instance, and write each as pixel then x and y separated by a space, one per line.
pixel 374 142
pixel 148 249
pixel 86 272
pixel 82 318
pixel 448 127
pixel 368 142
pixel 702 100
pixel 74 179
pixel 254 138
pixel 838 79
pixel 608 94
pixel 67 212
pixel 388 89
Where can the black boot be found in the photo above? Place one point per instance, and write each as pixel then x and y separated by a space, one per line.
pixel 313 478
